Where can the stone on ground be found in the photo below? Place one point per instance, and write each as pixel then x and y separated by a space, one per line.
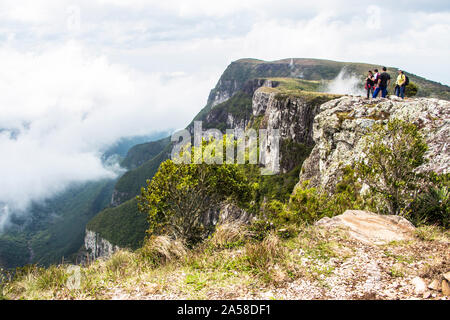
pixel 371 228
pixel 419 285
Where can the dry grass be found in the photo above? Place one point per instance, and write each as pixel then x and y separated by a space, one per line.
pixel 163 249
pixel 433 233
pixel 264 254
pixel 229 235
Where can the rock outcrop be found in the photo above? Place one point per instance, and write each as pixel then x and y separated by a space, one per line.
pixel 97 247
pixel 371 228
pixel 340 124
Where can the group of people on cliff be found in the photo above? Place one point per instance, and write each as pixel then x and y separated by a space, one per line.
pixel 379 82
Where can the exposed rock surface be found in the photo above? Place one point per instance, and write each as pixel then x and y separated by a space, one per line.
pixel 226 212
pixel 371 228
pixel 293 116
pixel 98 247
pixel 445 288
pixel 419 285
pixel 338 128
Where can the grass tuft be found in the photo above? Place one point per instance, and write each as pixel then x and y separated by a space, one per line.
pixel 162 249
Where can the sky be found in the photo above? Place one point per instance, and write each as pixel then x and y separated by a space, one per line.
pixel 77 75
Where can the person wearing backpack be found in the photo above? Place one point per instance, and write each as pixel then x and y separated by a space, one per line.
pixel 383 82
pixel 401 84
pixel 370 84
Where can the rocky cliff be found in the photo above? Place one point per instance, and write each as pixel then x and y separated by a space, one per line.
pixel 98 247
pixel 340 124
pixel 292 114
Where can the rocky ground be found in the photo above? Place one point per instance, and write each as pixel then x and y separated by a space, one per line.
pixel 400 271
pixel 356 255
pixel 415 267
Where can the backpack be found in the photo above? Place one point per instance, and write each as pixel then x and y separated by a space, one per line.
pixel 406 80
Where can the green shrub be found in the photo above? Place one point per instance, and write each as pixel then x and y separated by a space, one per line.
pixel 432 205
pixel 309 204
pixel 411 89
pixel 312 204
pixel 179 197
pixel 261 228
pixel 392 154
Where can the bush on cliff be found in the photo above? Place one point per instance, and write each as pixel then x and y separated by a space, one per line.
pixel 180 197
pixel 309 204
pixel 312 204
pixel 411 89
pixel 432 204
pixel 392 154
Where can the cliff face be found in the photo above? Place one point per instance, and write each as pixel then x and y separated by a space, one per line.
pixel 98 247
pixel 292 115
pixel 340 124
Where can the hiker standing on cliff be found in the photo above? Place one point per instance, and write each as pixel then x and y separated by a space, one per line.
pixel 376 76
pixel 400 85
pixel 370 84
pixel 383 82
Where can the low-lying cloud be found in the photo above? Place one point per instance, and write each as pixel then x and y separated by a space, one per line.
pixel 60 108
pixel 346 83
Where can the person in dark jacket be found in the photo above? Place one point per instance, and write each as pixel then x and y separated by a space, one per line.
pixel 370 84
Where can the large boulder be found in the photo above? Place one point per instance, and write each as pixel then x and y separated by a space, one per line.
pixel 371 228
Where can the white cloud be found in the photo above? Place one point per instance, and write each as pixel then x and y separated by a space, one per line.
pixel 64 105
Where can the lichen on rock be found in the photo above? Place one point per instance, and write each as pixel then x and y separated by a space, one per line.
pixel 340 125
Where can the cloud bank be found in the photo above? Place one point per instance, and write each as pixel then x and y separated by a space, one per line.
pixel 60 108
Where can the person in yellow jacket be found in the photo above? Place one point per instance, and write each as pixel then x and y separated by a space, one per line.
pixel 400 85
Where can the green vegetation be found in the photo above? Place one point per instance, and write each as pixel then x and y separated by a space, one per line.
pixel 132 181
pixel 306 205
pixel 393 152
pixel 287 85
pixel 180 196
pixel 239 106
pixel 14 250
pixel 123 226
pixel 411 89
pixel 55 230
pixel 432 203
pixel 141 153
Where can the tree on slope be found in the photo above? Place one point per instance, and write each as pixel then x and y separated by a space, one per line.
pixel 180 197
